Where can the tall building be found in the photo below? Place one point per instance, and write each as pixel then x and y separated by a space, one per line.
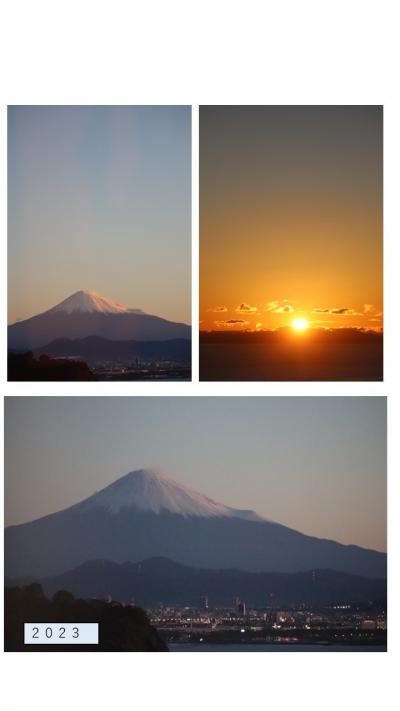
pixel 241 607
pixel 204 602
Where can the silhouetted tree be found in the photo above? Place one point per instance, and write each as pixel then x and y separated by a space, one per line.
pixel 24 366
pixel 121 628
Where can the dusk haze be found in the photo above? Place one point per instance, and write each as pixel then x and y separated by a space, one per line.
pixel 258 522
pixel 99 202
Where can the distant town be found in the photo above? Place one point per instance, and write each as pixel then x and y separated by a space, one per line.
pixel 342 624
pixel 25 366
pixel 141 370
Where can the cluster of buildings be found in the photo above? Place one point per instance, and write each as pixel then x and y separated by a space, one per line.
pixel 340 624
pixel 141 370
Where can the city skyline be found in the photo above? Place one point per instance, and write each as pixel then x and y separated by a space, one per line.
pixel 330 482
pixel 99 199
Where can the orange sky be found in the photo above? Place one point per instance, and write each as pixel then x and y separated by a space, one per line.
pixel 290 217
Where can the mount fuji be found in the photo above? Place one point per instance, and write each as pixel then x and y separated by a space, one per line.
pixel 87 313
pixel 146 514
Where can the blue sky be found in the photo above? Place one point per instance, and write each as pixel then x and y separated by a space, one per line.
pixel 99 198
pixel 316 464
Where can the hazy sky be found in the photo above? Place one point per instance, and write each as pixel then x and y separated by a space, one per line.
pixel 99 199
pixel 291 216
pixel 316 464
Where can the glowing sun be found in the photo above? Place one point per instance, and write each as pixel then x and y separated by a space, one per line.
pixel 300 324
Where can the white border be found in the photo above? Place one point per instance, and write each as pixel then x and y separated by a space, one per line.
pixel 213 52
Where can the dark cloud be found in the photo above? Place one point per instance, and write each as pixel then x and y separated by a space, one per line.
pixel 229 323
pixel 244 308
pixel 219 309
pixel 343 311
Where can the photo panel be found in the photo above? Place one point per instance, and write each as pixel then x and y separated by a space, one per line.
pixel 196 524
pixel 291 263
pixel 99 243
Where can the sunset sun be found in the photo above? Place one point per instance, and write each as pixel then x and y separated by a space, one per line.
pixel 300 324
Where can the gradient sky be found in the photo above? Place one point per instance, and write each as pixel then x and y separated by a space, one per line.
pixel 99 198
pixel 291 216
pixel 316 464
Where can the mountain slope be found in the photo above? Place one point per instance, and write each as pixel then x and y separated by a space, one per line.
pixel 89 314
pixel 159 580
pixel 145 514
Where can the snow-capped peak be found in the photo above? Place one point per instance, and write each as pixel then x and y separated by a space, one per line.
pixel 152 491
pixel 90 301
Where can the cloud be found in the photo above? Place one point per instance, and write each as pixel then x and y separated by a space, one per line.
pixel 219 309
pixel 287 309
pixel 230 323
pixel 343 311
pixel 245 309
pixel 374 315
pixel 279 307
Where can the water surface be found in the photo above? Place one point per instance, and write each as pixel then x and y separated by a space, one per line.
pixel 274 648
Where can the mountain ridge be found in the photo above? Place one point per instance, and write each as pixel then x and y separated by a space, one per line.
pixel 161 580
pixel 96 348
